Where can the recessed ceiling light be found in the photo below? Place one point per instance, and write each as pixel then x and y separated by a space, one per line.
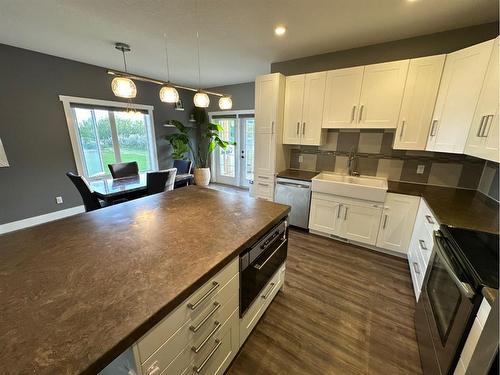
pixel 280 30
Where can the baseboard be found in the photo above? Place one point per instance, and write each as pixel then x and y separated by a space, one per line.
pixel 35 220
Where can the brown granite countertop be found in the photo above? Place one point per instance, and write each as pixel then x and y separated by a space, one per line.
pixel 456 207
pixel 297 174
pixel 77 292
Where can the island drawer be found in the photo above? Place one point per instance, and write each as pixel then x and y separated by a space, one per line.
pixel 217 353
pixel 191 309
pixel 207 326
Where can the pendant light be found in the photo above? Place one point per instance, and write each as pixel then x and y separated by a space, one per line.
pixel 225 102
pixel 168 93
pixel 123 87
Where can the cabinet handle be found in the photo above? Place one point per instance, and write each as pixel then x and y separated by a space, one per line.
pixel 385 221
pixel 261 184
pixel 199 368
pixel 487 125
pixel 416 268
pixel 154 369
pixel 433 128
pixel 402 129
pixel 338 212
pixel 298 126
pixel 193 306
pixel 361 112
pixel 304 128
pixel 423 246
pixel 429 219
pixel 345 212
pixel 353 113
pixel 479 132
pixel 195 329
pixel 205 340
pixel 264 177
pixel 272 127
pixel 266 296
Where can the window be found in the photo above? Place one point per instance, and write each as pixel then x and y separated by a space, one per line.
pixel 102 134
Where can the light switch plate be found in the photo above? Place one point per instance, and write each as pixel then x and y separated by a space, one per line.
pixel 420 169
pixel 59 200
pixel 301 159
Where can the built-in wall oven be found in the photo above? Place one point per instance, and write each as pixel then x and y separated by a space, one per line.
pixel 259 263
pixel 451 294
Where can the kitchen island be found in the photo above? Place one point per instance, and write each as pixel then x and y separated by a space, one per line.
pixel 75 293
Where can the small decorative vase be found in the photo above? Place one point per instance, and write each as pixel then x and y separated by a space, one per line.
pixel 202 176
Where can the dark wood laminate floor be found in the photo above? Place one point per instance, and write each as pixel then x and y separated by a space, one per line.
pixel 345 310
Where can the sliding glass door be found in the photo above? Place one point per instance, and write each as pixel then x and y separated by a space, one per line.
pixel 234 165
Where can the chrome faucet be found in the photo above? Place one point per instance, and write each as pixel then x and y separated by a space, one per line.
pixel 351 162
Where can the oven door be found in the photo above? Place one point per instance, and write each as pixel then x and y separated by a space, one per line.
pixel 448 302
pixel 255 277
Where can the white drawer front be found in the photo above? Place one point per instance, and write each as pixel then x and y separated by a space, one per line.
pixel 264 187
pixel 164 330
pixel 427 217
pixel 416 272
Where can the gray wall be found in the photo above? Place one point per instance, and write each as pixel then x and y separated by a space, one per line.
pixel 243 95
pixel 34 131
pixel 425 45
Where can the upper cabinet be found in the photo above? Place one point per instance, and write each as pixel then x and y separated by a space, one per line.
pixel 458 95
pixel 381 94
pixel 267 97
pixel 365 97
pixel 483 135
pixel 303 114
pixel 422 84
pixel 343 88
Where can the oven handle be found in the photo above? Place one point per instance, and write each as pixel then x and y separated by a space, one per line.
pixel 464 287
pixel 259 266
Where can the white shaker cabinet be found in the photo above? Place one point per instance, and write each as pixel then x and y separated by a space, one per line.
pixel 303 112
pixel 381 94
pixel 360 222
pixel 397 222
pixel 267 102
pixel 461 84
pixel 343 89
pixel 422 84
pixel 324 215
pixel 483 135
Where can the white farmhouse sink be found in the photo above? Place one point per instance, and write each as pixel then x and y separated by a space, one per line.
pixel 362 187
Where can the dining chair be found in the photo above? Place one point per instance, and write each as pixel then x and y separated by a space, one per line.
pixel 90 200
pixel 158 182
pixel 183 168
pixel 121 170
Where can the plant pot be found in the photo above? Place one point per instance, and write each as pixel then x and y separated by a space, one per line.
pixel 202 176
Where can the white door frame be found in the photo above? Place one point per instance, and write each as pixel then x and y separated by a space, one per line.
pixel 238 144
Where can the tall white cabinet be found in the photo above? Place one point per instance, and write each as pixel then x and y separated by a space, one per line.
pixel 303 111
pixel 422 84
pixel 458 94
pixel 270 156
pixel 483 135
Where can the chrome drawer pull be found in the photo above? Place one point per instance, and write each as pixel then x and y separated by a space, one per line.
pixel 264 177
pixel 198 369
pixel 479 131
pixel 433 128
pixel 429 219
pixel 261 184
pixel 353 113
pixel 402 129
pixel 193 306
pixel 217 306
pixel 303 128
pixel 298 126
pixel 259 266
pixel 385 221
pixel 266 296
pixel 209 336
pixel 361 112
pixel 338 212
pixel 422 245
pixel 416 268
pixel 345 213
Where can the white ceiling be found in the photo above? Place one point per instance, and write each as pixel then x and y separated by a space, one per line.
pixel 236 37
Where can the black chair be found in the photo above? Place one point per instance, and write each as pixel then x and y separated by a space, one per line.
pixel 157 182
pixel 183 167
pixel 121 170
pixel 90 201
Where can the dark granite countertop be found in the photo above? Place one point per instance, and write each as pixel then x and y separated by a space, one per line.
pixel 75 293
pixel 456 207
pixel 297 174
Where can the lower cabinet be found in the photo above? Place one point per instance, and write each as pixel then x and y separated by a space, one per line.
pixel 397 222
pixel 263 186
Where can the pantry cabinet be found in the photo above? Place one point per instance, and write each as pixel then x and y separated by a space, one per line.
pixel 397 222
pixel 483 139
pixel 422 84
pixel 268 94
pixel 303 112
pixel 458 95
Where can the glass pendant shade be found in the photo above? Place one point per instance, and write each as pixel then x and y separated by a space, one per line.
pixel 123 87
pixel 169 94
pixel 201 99
pixel 225 102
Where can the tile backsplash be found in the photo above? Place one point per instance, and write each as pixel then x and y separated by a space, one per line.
pixel 376 157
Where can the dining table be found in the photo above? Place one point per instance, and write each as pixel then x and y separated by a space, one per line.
pixel 111 189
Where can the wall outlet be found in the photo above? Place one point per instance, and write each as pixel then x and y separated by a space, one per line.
pixel 59 200
pixel 420 169
pixel 301 159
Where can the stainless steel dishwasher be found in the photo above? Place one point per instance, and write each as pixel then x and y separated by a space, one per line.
pixel 297 194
